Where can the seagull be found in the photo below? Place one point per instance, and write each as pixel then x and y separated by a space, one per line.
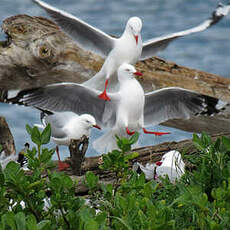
pixel 128 48
pixel 171 164
pixel 66 126
pixel 129 109
pixel 149 169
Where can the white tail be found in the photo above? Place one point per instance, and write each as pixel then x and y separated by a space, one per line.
pixel 106 143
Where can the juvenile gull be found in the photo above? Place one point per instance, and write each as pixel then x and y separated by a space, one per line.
pixel 66 126
pixel 129 109
pixel 128 48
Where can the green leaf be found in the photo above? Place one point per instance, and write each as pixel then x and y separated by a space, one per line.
pixel 119 142
pixel 101 218
pixel 35 136
pixel 226 142
pixel 134 138
pixel 46 155
pixel 46 134
pixel 91 180
pixel 20 220
pixel 1 148
pixel 8 220
pixel 121 202
pixel 2 178
pixel 31 223
pixel 91 225
pixel 67 182
pixel 197 142
pixel 29 129
pixel 206 139
pixel 55 182
pixel 44 225
pixel 11 171
pixel 121 221
pixel 32 153
pixel 131 156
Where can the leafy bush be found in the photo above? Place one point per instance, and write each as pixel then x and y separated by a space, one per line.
pixel 200 200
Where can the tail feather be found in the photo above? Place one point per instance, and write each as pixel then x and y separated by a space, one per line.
pixel 106 143
pixel 96 82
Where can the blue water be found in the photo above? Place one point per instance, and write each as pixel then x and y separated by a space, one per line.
pixel 207 51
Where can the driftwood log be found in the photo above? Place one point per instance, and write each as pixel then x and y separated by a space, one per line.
pixel 6 138
pixel 37 53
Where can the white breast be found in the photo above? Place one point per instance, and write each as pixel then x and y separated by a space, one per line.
pixel 132 101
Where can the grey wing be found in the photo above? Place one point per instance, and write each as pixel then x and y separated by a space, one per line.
pixel 177 103
pixel 152 46
pixel 85 35
pixel 66 97
pixel 59 119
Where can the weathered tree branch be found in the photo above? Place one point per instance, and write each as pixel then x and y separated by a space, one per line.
pixel 6 138
pixel 77 149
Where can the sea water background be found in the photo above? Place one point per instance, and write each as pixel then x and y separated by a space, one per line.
pixel 207 51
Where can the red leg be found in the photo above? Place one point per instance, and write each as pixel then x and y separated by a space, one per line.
pixel 104 95
pixel 61 165
pixel 129 132
pixel 155 133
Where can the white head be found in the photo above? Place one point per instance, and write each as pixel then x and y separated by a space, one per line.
pixel 127 71
pixel 88 121
pixel 134 26
pixel 172 158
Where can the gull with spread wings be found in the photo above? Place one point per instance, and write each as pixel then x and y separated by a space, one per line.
pixel 129 109
pixel 128 48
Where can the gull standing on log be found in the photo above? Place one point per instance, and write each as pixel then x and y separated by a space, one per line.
pixel 129 109
pixel 126 49
pixel 66 126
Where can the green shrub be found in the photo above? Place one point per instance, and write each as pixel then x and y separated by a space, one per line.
pixel 200 200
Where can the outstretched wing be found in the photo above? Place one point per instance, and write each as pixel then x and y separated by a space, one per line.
pixel 177 103
pixel 85 35
pixel 152 46
pixel 73 97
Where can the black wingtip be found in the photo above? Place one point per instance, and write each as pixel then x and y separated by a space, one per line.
pixel 212 105
pixel 218 13
pixel 18 99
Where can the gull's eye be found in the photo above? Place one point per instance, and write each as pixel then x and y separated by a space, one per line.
pixel 127 70
pixel 131 27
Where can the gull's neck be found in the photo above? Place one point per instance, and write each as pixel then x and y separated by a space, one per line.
pixel 127 34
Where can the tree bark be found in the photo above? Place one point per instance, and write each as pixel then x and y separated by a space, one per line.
pixel 77 149
pixel 6 138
